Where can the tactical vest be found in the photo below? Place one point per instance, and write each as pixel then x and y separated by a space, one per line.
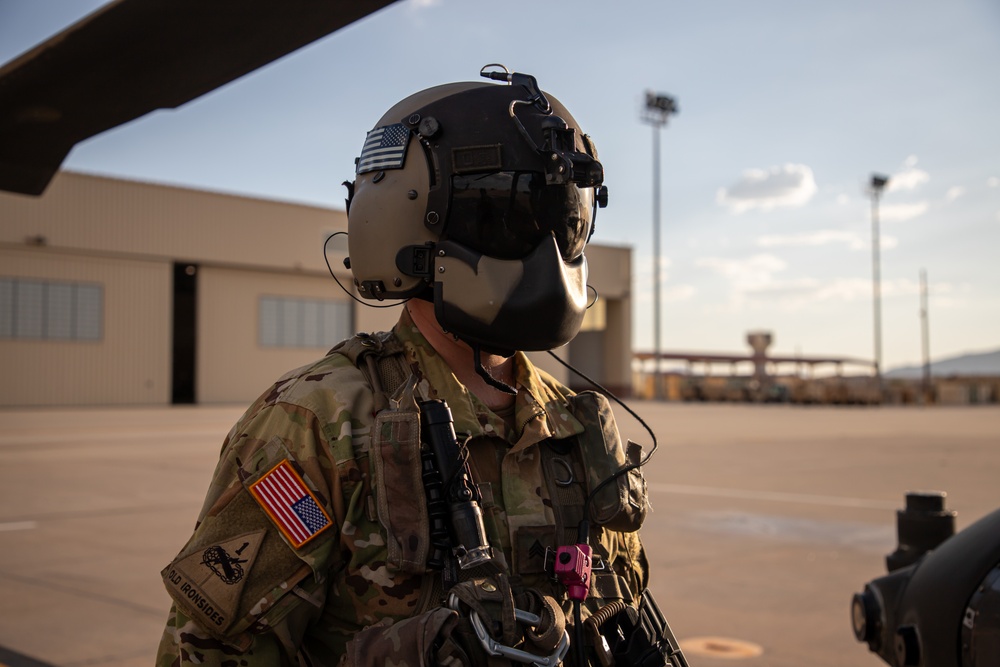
pixel 573 468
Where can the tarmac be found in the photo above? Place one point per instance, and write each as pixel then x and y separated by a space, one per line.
pixel 766 519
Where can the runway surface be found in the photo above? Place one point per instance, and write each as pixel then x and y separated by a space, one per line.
pixel 766 520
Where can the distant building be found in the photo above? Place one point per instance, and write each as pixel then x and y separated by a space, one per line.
pixel 759 377
pixel 115 292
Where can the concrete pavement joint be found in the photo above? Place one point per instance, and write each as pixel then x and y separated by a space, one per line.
pixel 89 595
pixel 774 496
pixel 74 439
pixel 113 659
pixel 18 525
pixel 89 514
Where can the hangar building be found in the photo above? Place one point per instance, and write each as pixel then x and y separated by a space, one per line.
pixel 115 292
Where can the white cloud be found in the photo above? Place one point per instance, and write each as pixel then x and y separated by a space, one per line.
pixel 646 268
pixel 644 274
pixel 902 212
pixel 954 193
pixel 787 185
pixel 671 294
pixel 853 240
pixel 676 293
pixel 993 182
pixel 854 289
pixel 910 178
pixel 886 242
pixel 947 295
pixel 755 282
pixel 803 293
pixel 820 237
pixel 843 289
pixel 745 274
pixel 843 200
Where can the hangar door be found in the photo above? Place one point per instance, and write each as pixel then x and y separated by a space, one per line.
pixel 254 326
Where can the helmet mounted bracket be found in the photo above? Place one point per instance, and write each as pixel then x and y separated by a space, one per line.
pixel 563 163
pixel 416 260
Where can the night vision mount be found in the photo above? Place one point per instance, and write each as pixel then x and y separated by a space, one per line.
pixel 563 163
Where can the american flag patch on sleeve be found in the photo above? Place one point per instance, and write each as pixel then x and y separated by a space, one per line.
pixel 290 504
pixel 385 148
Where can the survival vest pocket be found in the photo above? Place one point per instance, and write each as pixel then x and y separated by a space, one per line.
pixel 399 489
pixel 622 504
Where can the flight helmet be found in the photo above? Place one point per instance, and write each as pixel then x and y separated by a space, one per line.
pixel 481 198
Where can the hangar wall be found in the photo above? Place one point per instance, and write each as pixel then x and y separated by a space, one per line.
pixel 116 367
pixel 95 275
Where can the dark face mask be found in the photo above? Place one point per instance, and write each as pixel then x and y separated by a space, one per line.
pixel 533 303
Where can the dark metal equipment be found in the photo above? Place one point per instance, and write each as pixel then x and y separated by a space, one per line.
pixel 457 490
pixel 939 606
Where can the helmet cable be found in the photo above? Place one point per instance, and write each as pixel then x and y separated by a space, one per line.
pixel 576 578
pixel 337 280
pixel 629 468
pixel 485 374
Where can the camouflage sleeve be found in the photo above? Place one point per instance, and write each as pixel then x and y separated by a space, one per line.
pixel 253 578
pixel 184 642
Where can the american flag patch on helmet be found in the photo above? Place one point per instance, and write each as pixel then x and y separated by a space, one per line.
pixel 385 148
pixel 290 504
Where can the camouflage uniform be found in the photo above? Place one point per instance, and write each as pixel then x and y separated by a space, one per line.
pixel 249 592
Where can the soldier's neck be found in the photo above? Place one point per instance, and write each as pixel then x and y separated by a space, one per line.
pixel 460 359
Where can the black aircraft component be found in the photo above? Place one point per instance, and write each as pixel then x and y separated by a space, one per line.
pixel 939 606
pixel 132 57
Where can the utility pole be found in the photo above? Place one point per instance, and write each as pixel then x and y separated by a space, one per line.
pixel 878 184
pixel 925 337
pixel 658 108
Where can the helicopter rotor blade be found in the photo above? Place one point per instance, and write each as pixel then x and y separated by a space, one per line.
pixel 131 57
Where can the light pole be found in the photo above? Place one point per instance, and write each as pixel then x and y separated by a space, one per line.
pixel 878 184
pixel 658 108
pixel 925 337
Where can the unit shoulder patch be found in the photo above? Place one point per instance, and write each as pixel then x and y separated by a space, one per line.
pixel 210 581
pixel 290 504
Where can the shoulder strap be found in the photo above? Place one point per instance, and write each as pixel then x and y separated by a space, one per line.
pixel 397 469
pixel 381 357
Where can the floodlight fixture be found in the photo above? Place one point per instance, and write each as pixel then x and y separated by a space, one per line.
pixel 658 108
pixel 879 182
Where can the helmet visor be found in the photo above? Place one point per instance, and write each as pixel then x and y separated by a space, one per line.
pixel 506 214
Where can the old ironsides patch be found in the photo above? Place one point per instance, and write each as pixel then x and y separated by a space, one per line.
pixel 209 582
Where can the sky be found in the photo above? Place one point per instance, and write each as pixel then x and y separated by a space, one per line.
pixel 786 109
